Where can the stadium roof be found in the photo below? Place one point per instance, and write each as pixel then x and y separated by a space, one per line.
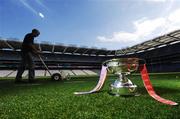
pixel 158 42
pixel 46 47
pixel 161 41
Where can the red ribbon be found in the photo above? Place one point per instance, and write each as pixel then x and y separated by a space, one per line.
pixel 149 88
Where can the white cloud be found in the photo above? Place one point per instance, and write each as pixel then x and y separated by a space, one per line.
pixel 156 0
pixel 144 29
pixel 174 16
pixel 118 37
pixel 172 22
pixel 147 26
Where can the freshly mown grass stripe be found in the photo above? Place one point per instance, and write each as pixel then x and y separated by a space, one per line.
pixel 52 99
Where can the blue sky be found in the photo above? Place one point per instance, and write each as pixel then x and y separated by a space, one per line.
pixel 111 24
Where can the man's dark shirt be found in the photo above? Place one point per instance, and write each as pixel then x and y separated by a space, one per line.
pixel 27 43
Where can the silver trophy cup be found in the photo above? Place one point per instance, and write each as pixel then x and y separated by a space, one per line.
pixel 122 67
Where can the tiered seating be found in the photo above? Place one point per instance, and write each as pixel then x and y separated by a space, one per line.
pixel 52 72
pixel 4 73
pixel 39 73
pixel 12 74
pixel 97 71
pixel 90 72
pixel 68 72
pixel 25 74
pixel 78 72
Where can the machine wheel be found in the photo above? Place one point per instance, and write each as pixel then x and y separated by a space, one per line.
pixel 56 77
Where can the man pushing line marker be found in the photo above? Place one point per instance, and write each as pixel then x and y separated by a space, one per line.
pixel 27 51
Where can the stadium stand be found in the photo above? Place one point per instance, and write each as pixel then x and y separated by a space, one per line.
pixel 5 73
pixel 25 74
pixel 156 43
pixel 12 74
pixel 162 54
pixel 66 72
pixel 52 71
pixel 96 71
pixel 90 72
pixel 78 72
pixel 39 73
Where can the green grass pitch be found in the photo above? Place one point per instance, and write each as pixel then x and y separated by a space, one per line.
pixel 55 100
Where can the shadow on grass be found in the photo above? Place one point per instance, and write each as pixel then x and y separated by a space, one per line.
pixel 8 87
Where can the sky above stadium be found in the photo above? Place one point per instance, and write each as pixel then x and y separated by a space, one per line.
pixel 111 24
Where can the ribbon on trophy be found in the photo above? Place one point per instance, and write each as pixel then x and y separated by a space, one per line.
pixel 149 88
pixel 99 84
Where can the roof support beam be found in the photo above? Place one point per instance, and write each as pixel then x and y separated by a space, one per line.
pixel 85 51
pixel 168 43
pixel 110 52
pixel 53 47
pixel 159 41
pixel 123 52
pixel 40 47
pixel 177 39
pixel 9 45
pixel 75 50
pixel 65 50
